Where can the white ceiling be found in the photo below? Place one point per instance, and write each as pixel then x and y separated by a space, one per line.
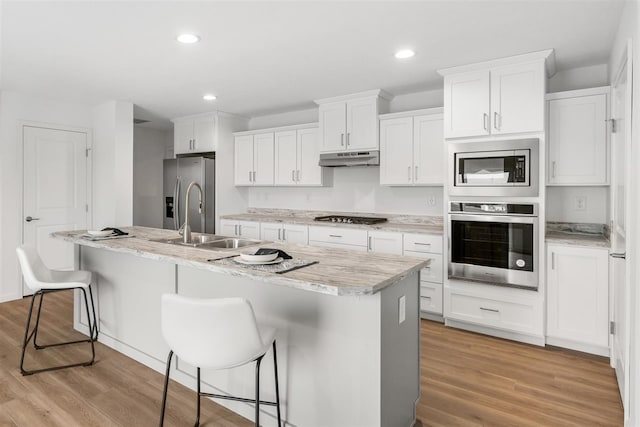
pixel 267 57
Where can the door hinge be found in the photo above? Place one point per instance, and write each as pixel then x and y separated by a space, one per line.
pixel 614 125
pixel 612 328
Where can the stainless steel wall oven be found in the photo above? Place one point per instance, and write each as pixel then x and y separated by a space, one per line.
pixel 496 243
pixel 501 168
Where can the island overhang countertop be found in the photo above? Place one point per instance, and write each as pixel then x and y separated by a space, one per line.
pixel 337 272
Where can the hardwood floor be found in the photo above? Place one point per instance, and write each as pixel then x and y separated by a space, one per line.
pixel 467 380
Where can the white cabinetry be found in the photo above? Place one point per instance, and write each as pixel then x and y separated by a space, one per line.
pixel 412 148
pixel 254 159
pixel 385 242
pixel 429 247
pixel 578 137
pixel 494 98
pixel 195 134
pixel 350 123
pixel 578 298
pixel 296 157
pixel 279 232
pixel 341 238
pixel 247 229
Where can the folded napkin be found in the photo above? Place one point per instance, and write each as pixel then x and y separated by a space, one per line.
pixel 268 251
pixel 116 231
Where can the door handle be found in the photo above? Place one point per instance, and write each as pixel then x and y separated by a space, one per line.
pixel 29 219
pixel 622 255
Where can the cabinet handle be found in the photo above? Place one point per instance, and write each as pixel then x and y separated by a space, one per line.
pixel 348 134
pixel 485 118
pixel 429 298
pixel 250 176
pixel 553 260
pixel 495 120
pixel 342 139
pixel 421 244
pixel 235 230
pixel 409 173
pixel 415 175
pixel 194 144
pixel 334 235
pixel 284 237
pixel 369 245
pixel 293 175
pixel 239 229
pixel 553 169
pixel 279 231
pixel 493 310
pixel 298 175
pixel 621 255
pixel 254 177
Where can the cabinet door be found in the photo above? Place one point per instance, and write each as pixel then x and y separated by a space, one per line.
pixel 295 233
pixel 396 151
pixel 243 157
pixel 577 300
pixel 309 172
pixel 182 136
pixel 204 134
pixel 228 227
pixel 332 126
pixel 517 98
pixel 466 104
pixel 263 159
pixel 362 125
pixel 385 242
pixel 249 229
pixel 578 141
pixel 271 231
pixel 285 158
pixel 428 150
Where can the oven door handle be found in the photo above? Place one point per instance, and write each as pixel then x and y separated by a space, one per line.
pixel 509 219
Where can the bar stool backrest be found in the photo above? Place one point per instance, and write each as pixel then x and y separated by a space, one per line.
pixel 211 333
pixel 36 274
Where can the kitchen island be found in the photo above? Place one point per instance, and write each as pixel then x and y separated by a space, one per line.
pixel 348 326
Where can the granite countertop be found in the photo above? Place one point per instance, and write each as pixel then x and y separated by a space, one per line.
pixel 400 227
pixel 577 239
pixel 338 272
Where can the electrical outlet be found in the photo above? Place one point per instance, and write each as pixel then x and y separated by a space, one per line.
pixel 431 201
pixel 402 309
pixel 580 203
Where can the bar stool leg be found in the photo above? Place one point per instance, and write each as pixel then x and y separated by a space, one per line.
pixel 95 319
pixel 166 388
pixel 35 330
pixel 26 335
pixel 198 403
pixel 275 369
pixel 258 390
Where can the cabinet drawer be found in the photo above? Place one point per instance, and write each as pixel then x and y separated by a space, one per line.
pixel 512 316
pixel 431 297
pixel 432 273
pixel 423 243
pixel 343 236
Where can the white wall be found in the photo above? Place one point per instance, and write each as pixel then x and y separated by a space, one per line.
pixel 149 149
pixel 15 107
pixel 629 28
pixel 579 78
pixel 354 189
pixel 561 204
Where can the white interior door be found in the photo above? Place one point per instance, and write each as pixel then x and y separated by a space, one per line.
pixel 55 191
pixel 620 109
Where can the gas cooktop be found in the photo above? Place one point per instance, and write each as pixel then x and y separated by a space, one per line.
pixel 350 219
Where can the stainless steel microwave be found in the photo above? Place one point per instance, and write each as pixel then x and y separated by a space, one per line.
pixel 496 168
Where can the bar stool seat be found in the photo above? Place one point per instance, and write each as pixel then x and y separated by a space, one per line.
pixel 219 333
pixel 42 280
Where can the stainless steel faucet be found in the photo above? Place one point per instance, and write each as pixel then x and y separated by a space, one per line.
pixel 187 227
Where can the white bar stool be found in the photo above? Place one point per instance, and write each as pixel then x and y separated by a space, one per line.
pixel 41 281
pixel 217 333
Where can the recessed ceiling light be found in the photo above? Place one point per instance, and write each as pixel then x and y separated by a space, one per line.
pixel 188 38
pixel 405 53
pixel 209 97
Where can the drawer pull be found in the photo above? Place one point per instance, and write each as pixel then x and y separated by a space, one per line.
pixel 429 298
pixel 422 244
pixel 493 310
pixel 334 235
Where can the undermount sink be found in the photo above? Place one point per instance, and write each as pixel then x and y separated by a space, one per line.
pixel 211 241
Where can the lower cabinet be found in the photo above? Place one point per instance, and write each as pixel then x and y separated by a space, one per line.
pixel 578 298
pixel 279 232
pixel 385 242
pixel 431 277
pixel 246 229
pixel 339 238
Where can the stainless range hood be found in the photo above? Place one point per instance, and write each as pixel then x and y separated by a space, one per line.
pixel 357 158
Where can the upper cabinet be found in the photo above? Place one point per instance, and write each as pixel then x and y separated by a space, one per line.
pixel 578 139
pixel 195 134
pixel 498 97
pixel 412 148
pixel 254 160
pixel 350 123
pixel 296 157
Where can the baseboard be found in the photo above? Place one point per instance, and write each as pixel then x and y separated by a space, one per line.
pixel 432 316
pixel 513 336
pixel 578 346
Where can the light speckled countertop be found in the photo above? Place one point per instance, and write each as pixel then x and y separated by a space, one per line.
pixel 577 239
pixel 338 272
pixel 396 223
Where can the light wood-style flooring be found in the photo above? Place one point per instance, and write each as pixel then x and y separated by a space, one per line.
pixel 467 380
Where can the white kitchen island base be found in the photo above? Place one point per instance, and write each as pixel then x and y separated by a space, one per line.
pixel 343 360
